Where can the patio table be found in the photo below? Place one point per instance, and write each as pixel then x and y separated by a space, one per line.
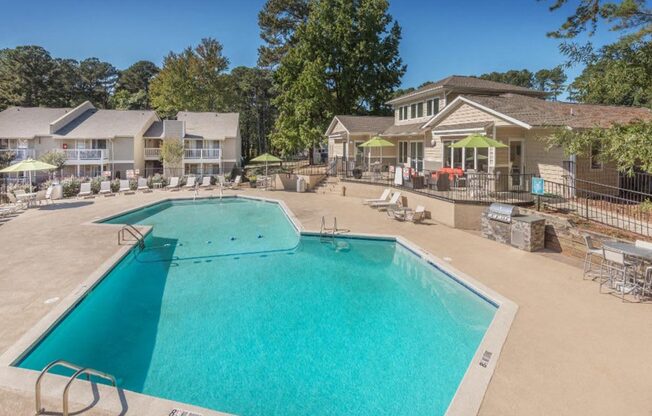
pixel 27 197
pixel 630 249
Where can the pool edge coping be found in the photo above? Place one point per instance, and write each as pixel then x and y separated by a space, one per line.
pixel 467 399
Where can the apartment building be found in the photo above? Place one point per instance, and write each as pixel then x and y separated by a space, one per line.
pixel 96 141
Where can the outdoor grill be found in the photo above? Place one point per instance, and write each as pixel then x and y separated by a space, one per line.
pixel 502 212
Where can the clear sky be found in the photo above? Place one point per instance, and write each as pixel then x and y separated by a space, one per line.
pixel 440 38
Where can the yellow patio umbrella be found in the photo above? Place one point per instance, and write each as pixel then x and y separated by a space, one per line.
pixel 475 142
pixel 266 157
pixel 376 142
pixel 28 165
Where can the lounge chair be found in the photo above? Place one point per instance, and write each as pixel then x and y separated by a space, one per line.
pixel 416 216
pixel 142 185
pixel 235 183
pixel 85 190
pixel 124 186
pixel 205 182
pixel 190 183
pixel 48 195
pixel 105 188
pixel 174 184
pixel 387 204
pixel 383 197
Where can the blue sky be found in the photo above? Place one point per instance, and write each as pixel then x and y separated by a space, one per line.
pixel 440 37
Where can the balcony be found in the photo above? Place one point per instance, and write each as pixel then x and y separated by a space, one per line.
pixel 86 156
pixel 202 154
pixel 20 154
pixel 152 153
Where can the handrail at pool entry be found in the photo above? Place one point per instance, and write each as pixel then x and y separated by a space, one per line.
pixel 140 238
pixel 78 371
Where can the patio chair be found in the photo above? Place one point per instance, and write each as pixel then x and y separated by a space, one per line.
pixel 416 216
pixel 105 188
pixel 15 201
pixel 383 197
pixel 48 195
pixel 236 182
pixel 393 201
pixel 190 183
pixel 85 190
pixel 40 196
pixel 620 273
pixel 124 187
pixel 142 185
pixel 174 184
pixel 591 250
pixel 646 284
pixel 205 183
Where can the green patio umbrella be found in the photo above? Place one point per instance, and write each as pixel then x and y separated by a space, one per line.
pixel 265 157
pixel 377 142
pixel 477 141
pixel 28 165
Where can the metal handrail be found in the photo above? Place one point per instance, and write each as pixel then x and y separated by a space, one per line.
pixel 78 371
pixel 133 231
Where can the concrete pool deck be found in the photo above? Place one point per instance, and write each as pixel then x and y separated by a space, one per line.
pixel 569 351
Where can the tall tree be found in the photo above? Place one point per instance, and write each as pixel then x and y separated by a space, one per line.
pixel 250 91
pixel 551 80
pixel 65 86
pixel 25 76
pixel 278 20
pixel 192 80
pixel 132 87
pixel 97 81
pixel 519 77
pixel 344 60
pixel 620 74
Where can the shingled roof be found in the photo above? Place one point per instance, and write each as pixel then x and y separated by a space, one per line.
pixel 363 124
pixel 537 112
pixel 461 83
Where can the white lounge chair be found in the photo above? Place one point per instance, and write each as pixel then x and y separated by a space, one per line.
pixel 393 201
pixel 142 185
pixel 48 195
pixel 190 183
pixel 85 190
pixel 383 197
pixel 105 188
pixel 174 183
pixel 235 183
pixel 124 186
pixel 205 182
pixel 416 216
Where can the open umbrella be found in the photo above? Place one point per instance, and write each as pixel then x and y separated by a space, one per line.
pixel 266 157
pixel 377 142
pixel 28 165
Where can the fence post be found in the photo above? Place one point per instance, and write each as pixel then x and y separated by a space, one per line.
pixel 586 205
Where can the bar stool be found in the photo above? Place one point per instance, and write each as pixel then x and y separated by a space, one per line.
pixel 591 250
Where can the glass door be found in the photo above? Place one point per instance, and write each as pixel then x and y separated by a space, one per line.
pixel 416 156
pixel 516 162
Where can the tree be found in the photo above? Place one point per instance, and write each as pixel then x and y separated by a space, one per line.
pixel 132 87
pixel 344 60
pixel 25 75
pixel 172 156
pixel 125 100
pixel 250 94
pixel 278 20
pixel 97 81
pixel 551 80
pixel 627 145
pixel 621 74
pixel 55 158
pixel 192 80
pixel 521 78
pixel 65 86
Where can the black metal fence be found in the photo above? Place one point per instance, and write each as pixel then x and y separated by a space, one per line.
pixel 602 208
pixel 634 186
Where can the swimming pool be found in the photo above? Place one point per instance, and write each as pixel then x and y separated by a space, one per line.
pixel 230 308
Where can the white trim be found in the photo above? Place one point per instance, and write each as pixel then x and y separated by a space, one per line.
pixel 332 126
pixel 469 130
pixel 453 106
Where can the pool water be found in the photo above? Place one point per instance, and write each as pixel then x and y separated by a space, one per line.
pixel 229 308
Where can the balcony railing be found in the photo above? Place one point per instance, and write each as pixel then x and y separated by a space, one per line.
pixel 86 155
pixel 153 152
pixel 21 154
pixel 197 154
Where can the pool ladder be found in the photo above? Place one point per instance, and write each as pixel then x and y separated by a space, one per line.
pixel 325 233
pixel 78 371
pixel 133 231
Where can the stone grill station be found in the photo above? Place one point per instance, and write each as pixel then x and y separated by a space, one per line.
pixel 503 223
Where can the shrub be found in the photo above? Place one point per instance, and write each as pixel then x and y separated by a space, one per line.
pixel 115 185
pixel 646 206
pixel 213 180
pixel 70 187
pixel 133 184
pixel 45 185
pixel 158 178
pixel 95 184
pixel 183 180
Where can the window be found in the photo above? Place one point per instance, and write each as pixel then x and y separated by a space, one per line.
pixel 399 111
pixel 420 110
pixel 405 112
pixel 435 106
pixel 596 149
pixel 429 107
pixel 416 156
pixel 402 152
pixel 413 110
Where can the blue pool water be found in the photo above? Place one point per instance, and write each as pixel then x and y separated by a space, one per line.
pixel 230 309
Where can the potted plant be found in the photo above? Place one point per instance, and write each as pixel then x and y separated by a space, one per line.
pixel 357 173
pixel 252 181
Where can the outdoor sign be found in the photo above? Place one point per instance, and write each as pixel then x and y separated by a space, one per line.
pixel 537 186
pixel 106 173
pixel 398 176
pixel 130 173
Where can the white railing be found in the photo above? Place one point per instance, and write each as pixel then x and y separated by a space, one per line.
pixel 86 154
pixel 21 154
pixel 153 152
pixel 202 154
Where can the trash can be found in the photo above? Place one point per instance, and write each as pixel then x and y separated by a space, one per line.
pixel 301 184
pixel 57 192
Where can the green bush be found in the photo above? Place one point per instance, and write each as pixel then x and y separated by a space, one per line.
pixel 95 184
pixel 115 185
pixel 133 184
pixel 157 179
pixel 213 180
pixel 70 187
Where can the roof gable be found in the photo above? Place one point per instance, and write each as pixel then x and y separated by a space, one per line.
pixel 210 126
